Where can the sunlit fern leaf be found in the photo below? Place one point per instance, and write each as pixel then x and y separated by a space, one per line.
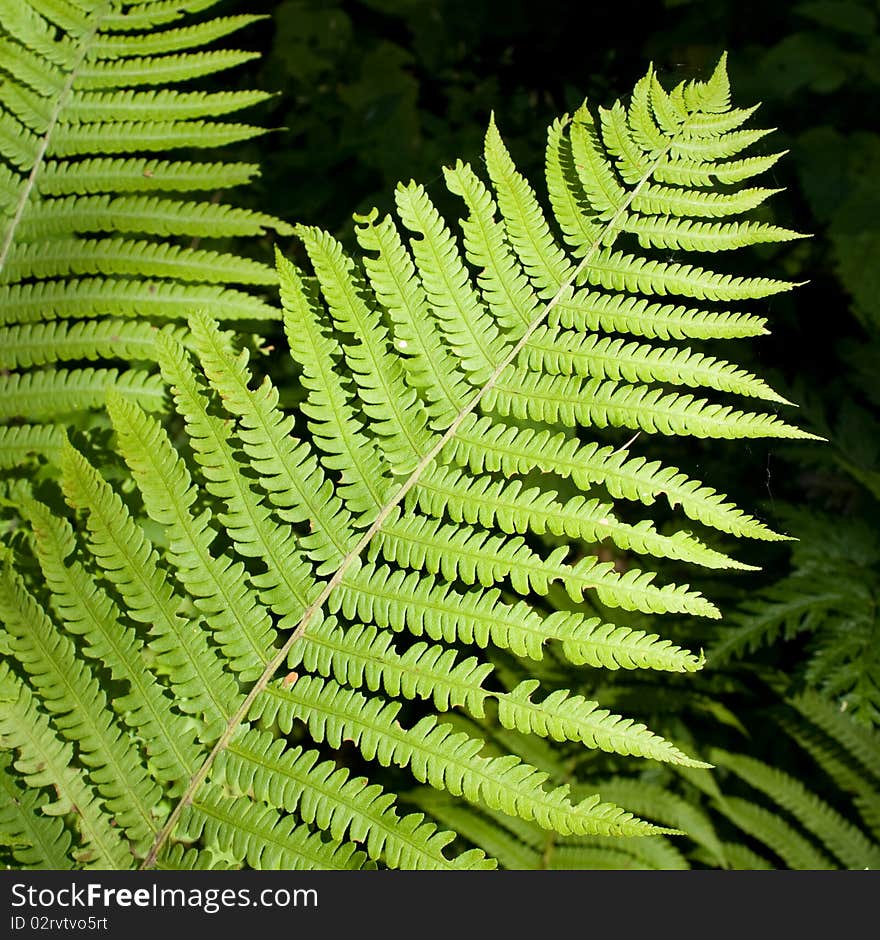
pixel 506 844
pixel 780 822
pixel 255 834
pixel 524 846
pixel 306 580
pixel 320 791
pixel 86 610
pixel 93 229
pixel 45 762
pixel 69 691
pixel 18 442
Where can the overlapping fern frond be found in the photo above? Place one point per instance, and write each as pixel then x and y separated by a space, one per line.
pixel 344 578
pixel 102 204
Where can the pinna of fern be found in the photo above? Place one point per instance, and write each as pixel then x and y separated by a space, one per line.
pixel 744 814
pixel 344 575
pixel 100 219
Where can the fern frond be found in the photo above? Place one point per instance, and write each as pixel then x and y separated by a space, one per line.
pixel 846 773
pixel 791 614
pixel 286 586
pixel 185 37
pixel 396 412
pixel 570 401
pixel 862 742
pixel 363 656
pixel 514 509
pixel 342 805
pixel 241 625
pixel 477 557
pixel 653 853
pixel 463 320
pixel 828 596
pixel 287 469
pixel 519 845
pixel 144 214
pixel 480 828
pixel 39 343
pixel 429 367
pixel 139 175
pixel 159 70
pixel 773 831
pixel 44 761
pixel 436 755
pixel 179 858
pixel 87 92
pixel 86 610
pixel 262 837
pixel 484 444
pixel 36 840
pixel 603 357
pixel 158 13
pixel 742 858
pixel 567 717
pixel 63 391
pixel 663 200
pixel 303 577
pixel 403 601
pixel 622 313
pixel 655 802
pixel 130 563
pixel 17 442
pixel 122 297
pixel 69 690
pixel 333 419
pixel 64 256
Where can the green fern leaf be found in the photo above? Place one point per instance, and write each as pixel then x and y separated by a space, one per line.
pixel 328 796
pixel 70 691
pixel 18 442
pixel 87 92
pixel 130 562
pixel 86 610
pixel 37 840
pixel 447 761
pixel 262 837
pixel 311 575
pixel 62 391
pixel 45 761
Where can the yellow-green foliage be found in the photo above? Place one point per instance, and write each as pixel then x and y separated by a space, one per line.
pixel 100 223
